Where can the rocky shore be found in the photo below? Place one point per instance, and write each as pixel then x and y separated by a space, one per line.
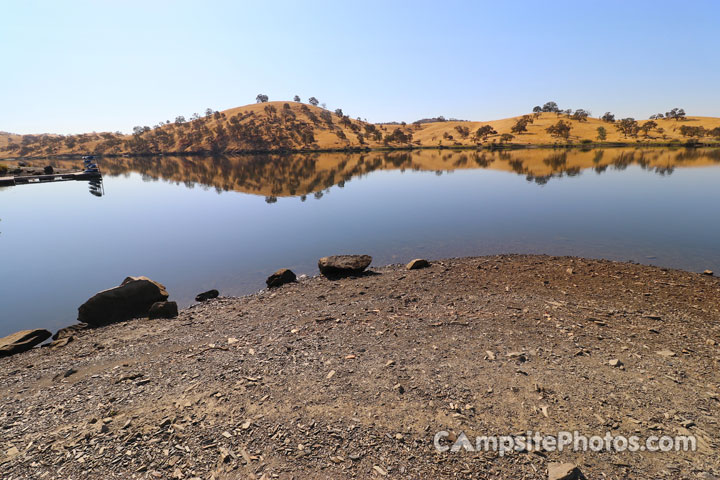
pixel 352 376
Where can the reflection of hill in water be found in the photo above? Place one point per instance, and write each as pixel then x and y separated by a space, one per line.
pixel 291 175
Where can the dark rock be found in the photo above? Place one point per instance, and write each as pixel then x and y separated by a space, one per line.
pixel 132 299
pixel 281 277
pixel 70 331
pixel 201 297
pixel 22 341
pixel 343 264
pixel 163 310
pixel 417 264
pixel 49 170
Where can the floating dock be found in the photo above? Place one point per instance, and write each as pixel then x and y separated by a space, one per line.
pixel 53 177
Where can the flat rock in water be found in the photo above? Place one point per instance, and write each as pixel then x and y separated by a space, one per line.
pixel 708 272
pixel 281 277
pixel 163 310
pixel 563 471
pixel 417 264
pixel 209 295
pixel 343 264
pixel 22 341
pixel 132 299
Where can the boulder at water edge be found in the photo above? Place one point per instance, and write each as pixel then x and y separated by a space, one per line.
pixel 163 310
pixel 132 299
pixel 22 341
pixel 343 264
pixel 281 277
pixel 209 295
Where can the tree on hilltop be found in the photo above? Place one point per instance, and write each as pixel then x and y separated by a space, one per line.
pixel 296 98
pixel 261 98
pixel 608 117
pixel 550 107
pixel 580 115
pixel 339 112
pixel 676 114
pixel 313 101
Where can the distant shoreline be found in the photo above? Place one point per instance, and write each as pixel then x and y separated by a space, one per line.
pixel 489 147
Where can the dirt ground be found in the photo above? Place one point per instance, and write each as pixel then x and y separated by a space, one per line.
pixel 352 378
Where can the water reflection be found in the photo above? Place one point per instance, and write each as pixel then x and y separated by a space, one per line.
pixel 274 176
pixel 96 187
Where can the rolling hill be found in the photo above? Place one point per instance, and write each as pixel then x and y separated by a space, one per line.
pixel 293 126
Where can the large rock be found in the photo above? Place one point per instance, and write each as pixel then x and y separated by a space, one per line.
pixel 417 264
pixel 70 331
pixel 281 277
pixel 22 341
pixel 132 299
pixel 209 295
pixel 163 310
pixel 343 264
pixel 563 471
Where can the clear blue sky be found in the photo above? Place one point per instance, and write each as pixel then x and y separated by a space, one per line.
pixel 75 66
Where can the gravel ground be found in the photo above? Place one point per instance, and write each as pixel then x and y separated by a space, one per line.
pixel 353 378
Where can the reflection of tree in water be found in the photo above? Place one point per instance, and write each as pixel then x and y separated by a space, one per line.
pixel 557 160
pixel 274 175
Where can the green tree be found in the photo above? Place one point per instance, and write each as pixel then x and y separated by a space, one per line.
pixel 506 137
pixel 485 131
pixel 628 127
pixel 561 129
pixel 601 134
pixel 261 98
pixel 608 117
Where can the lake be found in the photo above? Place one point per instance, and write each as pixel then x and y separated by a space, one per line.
pixel 228 222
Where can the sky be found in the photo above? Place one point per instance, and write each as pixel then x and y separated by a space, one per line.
pixel 81 66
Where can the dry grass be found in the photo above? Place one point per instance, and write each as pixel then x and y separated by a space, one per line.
pixel 283 125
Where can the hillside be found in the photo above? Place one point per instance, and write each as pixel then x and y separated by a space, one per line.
pixel 293 126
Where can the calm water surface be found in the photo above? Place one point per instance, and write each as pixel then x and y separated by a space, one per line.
pixel 226 223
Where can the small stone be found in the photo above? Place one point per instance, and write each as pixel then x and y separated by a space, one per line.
pixel 12 452
pixel 708 272
pixel 417 264
pixel 281 277
pixel 666 353
pixel 246 424
pixel 330 374
pixel 232 341
pixel 390 363
pixel 569 271
pixel 563 471
pixel 227 434
pixel 615 363
pixel 399 388
pixel 350 357
pixel 380 471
